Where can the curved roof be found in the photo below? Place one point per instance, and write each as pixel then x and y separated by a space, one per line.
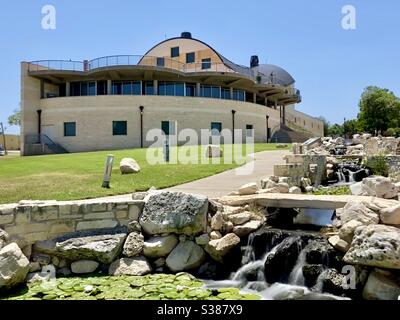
pixel 276 74
pixel 279 75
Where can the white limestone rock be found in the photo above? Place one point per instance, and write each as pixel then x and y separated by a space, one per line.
pixel 240 218
pixel 375 245
pixel 248 189
pixel 346 232
pixel 214 151
pixel 390 215
pixel 338 243
pixel 14 266
pixel 133 245
pixel 158 247
pixel 137 266
pixel 381 285
pixel 247 228
pixel 295 190
pixel 359 211
pixel 129 166
pixel 218 249
pixel 380 187
pixel 174 212
pixel 84 266
pixel 186 256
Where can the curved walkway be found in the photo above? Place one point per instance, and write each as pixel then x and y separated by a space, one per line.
pixel 228 181
pixel 224 183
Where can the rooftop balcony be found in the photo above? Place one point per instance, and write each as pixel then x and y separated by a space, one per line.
pixel 126 60
pixel 131 66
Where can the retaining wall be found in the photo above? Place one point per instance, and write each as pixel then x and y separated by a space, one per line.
pixel 31 221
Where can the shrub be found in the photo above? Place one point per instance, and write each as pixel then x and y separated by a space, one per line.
pixel 378 165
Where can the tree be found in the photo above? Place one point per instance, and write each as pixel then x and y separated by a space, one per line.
pixel 326 125
pixel 15 118
pixel 335 130
pixel 351 127
pixel 379 110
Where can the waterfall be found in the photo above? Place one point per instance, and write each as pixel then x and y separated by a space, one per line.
pixel 252 267
pixel 296 276
pixel 341 176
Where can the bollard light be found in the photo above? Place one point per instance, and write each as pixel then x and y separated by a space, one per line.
pixel 166 150
pixel 108 171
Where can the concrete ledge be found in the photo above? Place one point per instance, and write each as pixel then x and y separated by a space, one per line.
pixel 284 200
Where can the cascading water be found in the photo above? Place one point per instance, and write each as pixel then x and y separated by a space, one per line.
pixel 296 276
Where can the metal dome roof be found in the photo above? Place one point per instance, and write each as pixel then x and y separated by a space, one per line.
pixel 272 73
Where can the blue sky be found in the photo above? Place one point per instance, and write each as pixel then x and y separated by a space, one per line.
pixel 331 65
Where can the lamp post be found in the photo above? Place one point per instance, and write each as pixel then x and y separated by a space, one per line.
pixel 233 126
pixel 141 125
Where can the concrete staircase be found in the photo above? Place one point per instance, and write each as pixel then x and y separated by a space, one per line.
pixel 287 135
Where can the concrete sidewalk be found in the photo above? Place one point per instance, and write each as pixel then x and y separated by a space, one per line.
pixel 224 183
pixel 228 181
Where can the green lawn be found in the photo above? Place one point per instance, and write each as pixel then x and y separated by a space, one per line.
pixel 80 175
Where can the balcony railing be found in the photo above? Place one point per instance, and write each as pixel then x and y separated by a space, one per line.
pixel 126 60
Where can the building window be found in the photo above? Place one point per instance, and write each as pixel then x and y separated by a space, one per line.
pixel 226 93
pixel 62 91
pixel 171 89
pixel 69 129
pixel 216 128
pixel 92 89
pixel 206 64
pixel 102 88
pixel 174 52
pixel 190 57
pixel 190 89
pixel 249 130
pixel 239 95
pixel 120 128
pixel 180 89
pixel 83 89
pixel 210 92
pixel 168 127
pixel 160 62
pixel 148 88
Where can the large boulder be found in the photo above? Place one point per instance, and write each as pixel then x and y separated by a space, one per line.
pixel 137 266
pixel 84 266
pixel 129 166
pixel 186 256
pixel 218 249
pixel 159 247
pixel 380 187
pixel 174 212
pixel 359 211
pixel 391 215
pixel 14 266
pixel 375 245
pixel 133 245
pixel 382 285
pixel 102 248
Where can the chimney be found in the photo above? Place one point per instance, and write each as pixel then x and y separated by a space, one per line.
pixel 254 61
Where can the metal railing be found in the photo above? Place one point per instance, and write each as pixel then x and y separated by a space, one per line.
pixel 57 65
pixel 126 60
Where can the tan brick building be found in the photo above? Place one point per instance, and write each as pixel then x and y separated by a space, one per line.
pixel 113 102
